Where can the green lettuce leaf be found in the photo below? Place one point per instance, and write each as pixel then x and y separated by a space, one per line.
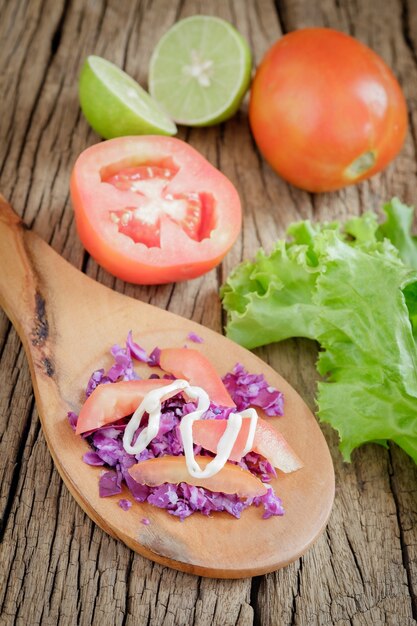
pixel 271 299
pixel 347 288
pixel 397 228
pixel 369 356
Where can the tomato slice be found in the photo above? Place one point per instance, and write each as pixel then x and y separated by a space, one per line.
pixel 152 210
pixel 267 442
pixel 112 401
pixel 173 469
pixel 197 369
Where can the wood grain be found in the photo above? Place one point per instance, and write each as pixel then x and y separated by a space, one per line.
pixel 60 568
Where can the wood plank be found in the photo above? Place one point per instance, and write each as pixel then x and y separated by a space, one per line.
pixel 362 571
pixel 58 566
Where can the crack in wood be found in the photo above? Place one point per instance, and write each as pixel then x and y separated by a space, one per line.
pixel 297 593
pixel 404 546
pixel 14 482
pixel 355 558
pixel 280 9
pixel 57 35
pixel 126 613
pixel 254 599
pixel 405 25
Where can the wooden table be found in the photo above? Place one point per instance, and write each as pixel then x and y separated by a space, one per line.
pixel 363 569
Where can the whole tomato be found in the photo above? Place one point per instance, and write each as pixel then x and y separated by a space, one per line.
pixel 325 110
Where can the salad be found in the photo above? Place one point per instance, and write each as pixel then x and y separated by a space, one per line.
pixel 184 439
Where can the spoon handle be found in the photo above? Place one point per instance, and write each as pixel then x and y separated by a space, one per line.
pixel 18 283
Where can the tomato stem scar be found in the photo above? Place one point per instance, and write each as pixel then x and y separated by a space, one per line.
pixel 361 165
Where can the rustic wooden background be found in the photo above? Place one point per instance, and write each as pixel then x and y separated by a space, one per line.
pixel 363 570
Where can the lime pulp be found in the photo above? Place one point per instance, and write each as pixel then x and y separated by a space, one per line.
pixel 200 70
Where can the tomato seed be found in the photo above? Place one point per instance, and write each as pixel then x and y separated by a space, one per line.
pixel 125 218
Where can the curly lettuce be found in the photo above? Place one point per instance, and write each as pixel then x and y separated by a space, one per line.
pixel 353 289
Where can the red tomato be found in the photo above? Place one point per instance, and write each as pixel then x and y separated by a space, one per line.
pixel 197 369
pixel 152 210
pixel 112 401
pixel 325 110
pixel 173 469
pixel 267 442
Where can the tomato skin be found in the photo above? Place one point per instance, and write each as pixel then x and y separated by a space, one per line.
pixel 178 257
pixel 321 99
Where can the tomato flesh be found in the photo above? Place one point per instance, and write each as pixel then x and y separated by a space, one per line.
pixel 197 369
pixel 143 222
pixel 173 469
pixel 152 210
pixel 112 401
pixel 267 442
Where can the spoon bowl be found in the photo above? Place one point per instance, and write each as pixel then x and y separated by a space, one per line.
pixel 67 322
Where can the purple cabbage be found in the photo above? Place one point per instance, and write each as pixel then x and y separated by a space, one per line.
pixel 135 350
pixel 122 368
pixel 72 419
pixel 194 337
pixel 109 484
pixel 252 389
pixel 125 504
pixel 92 458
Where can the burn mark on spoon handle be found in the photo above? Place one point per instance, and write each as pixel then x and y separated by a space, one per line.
pixel 40 330
pixel 48 367
pixel 40 334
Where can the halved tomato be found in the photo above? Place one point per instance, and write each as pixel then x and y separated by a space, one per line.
pixel 267 442
pixel 112 401
pixel 173 469
pixel 152 210
pixel 197 369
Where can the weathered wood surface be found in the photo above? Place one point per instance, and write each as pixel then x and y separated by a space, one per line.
pixel 56 567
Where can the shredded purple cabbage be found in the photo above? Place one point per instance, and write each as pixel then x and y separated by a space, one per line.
pixel 253 390
pixel 72 419
pixel 109 484
pixel 179 500
pixel 122 368
pixel 125 504
pixel 194 337
pixel 92 458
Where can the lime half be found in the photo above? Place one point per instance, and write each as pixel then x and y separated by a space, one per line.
pixel 116 105
pixel 200 70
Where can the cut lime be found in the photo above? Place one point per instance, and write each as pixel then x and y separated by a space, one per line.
pixel 200 70
pixel 116 105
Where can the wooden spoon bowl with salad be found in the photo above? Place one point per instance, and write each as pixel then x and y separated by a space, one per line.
pixel 67 322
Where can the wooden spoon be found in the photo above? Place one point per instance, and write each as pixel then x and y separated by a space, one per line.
pixel 67 322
